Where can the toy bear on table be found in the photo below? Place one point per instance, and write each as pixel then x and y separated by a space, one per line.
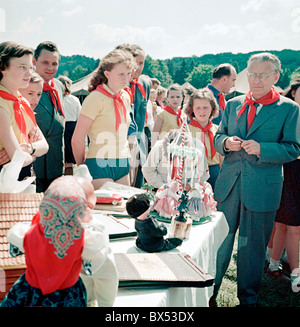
pixel 149 231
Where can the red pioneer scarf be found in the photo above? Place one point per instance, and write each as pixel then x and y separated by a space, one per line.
pixel 269 98
pixel 117 102
pixel 20 102
pixel 172 112
pixel 128 90
pixel 140 86
pixel 221 101
pixel 54 95
pixel 210 135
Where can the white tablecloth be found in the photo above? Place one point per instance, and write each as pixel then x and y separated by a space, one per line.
pixel 202 246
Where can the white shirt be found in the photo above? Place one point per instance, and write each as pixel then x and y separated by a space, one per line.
pixel 72 107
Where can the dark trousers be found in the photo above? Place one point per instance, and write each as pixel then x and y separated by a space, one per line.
pixel 255 230
pixel 42 184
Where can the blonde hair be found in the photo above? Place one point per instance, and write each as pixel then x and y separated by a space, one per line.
pixel 204 93
pixel 113 58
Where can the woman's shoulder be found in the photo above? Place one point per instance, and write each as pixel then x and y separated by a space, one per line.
pixel 94 99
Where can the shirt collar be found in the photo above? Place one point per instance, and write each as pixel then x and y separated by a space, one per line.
pixel 214 90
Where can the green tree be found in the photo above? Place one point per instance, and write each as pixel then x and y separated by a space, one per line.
pixel 171 67
pixel 158 69
pixel 200 76
pixel 295 74
pixel 284 79
pixel 181 73
pixel 78 72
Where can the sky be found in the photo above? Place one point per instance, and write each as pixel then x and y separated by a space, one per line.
pixel 163 28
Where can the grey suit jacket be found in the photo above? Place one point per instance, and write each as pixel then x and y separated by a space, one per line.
pixel 277 128
pixel 51 123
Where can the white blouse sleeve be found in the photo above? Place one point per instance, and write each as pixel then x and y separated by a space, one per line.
pixel 99 272
pixel 16 234
pixel 150 168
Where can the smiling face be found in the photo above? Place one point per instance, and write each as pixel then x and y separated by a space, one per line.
pixel 118 77
pixel 47 64
pixel 261 77
pixel 18 74
pixel 175 99
pixel 202 110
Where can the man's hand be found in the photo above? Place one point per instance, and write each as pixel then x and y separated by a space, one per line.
pixel 233 143
pixel 251 147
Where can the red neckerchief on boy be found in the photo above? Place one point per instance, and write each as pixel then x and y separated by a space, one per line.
pixel 54 95
pixel 210 135
pixel 20 102
pixel 172 112
pixel 54 243
pixel 128 90
pixel 140 86
pixel 269 98
pixel 221 101
pixel 117 101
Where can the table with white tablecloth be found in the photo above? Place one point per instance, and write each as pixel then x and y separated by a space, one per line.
pixel 202 246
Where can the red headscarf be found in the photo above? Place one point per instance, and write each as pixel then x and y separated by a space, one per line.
pixel 54 243
pixel 20 103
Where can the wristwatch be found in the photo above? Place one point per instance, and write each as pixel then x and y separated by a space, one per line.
pixel 33 148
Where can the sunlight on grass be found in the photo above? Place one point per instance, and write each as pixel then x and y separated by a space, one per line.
pixel 273 293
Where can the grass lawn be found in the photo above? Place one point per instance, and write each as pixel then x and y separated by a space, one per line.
pixel 273 293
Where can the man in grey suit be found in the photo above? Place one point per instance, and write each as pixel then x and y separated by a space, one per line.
pixel 49 116
pixel 259 132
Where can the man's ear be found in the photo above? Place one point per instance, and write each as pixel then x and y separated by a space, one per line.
pixel 293 92
pixel 277 76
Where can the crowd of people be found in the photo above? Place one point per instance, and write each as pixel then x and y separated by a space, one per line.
pixel 121 132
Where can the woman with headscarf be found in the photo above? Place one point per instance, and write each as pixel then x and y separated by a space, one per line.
pixel 58 246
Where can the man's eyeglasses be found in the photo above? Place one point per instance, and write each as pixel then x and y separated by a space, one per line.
pixel 261 77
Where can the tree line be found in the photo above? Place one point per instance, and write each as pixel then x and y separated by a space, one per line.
pixel 196 70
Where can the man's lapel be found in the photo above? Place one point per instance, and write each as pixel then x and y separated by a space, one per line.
pixel 241 121
pixel 264 114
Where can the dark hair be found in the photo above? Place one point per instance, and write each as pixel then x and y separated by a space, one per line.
pixel 175 87
pixel 154 80
pixel 47 45
pixel 295 84
pixel 137 204
pixel 222 70
pixel 10 50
